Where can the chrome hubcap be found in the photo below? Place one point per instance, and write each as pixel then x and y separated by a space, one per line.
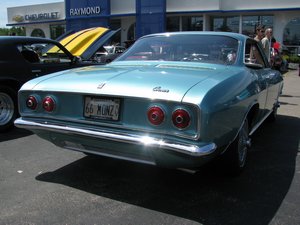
pixel 6 108
pixel 243 144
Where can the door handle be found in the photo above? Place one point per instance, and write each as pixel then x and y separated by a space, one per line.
pixel 36 72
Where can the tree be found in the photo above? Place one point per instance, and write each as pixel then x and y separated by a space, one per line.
pixel 18 31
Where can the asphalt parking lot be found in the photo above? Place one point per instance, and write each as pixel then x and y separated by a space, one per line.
pixel 43 184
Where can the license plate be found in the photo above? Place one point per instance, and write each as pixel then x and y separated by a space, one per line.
pixel 102 108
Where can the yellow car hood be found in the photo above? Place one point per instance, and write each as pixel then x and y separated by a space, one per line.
pixel 80 42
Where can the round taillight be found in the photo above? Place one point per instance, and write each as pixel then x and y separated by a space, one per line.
pixel 181 118
pixel 156 115
pixel 48 104
pixel 31 102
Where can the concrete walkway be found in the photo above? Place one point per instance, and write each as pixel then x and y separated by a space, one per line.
pixel 290 98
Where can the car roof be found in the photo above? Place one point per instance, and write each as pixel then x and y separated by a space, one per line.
pixel 8 41
pixel 23 39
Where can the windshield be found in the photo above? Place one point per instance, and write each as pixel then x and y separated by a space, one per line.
pixel 184 47
pixel 39 52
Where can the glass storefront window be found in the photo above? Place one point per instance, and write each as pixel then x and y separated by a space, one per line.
pixel 267 21
pixel 249 23
pixel 173 23
pixel 188 23
pixel 115 24
pixel 192 23
pixel 228 24
pixel 291 36
pixel 131 33
pixel 57 30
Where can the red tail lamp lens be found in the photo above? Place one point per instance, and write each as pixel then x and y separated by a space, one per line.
pixel 48 104
pixel 156 115
pixel 31 102
pixel 181 118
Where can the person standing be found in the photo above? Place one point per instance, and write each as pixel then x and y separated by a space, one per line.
pixel 266 43
pixel 260 32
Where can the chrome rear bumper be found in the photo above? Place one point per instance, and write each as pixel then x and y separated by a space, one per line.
pixel 187 149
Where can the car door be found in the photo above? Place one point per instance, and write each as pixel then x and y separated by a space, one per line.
pixel 40 69
pixel 272 80
pixel 13 65
pixel 269 79
pixel 274 86
pixel 254 60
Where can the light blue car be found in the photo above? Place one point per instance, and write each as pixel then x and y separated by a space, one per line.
pixel 175 100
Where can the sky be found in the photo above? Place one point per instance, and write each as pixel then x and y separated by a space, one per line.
pixel 4 4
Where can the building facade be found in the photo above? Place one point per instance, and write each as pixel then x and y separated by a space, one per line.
pixel 140 17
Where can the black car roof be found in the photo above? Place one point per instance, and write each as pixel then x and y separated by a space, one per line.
pixel 24 39
pixel 13 40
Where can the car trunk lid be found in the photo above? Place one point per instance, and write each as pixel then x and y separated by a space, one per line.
pixel 168 81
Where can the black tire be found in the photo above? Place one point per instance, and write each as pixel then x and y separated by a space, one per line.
pixel 8 108
pixel 235 157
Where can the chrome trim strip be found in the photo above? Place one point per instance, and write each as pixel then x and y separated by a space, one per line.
pixel 192 150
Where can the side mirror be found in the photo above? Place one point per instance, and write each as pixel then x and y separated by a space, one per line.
pixel 254 65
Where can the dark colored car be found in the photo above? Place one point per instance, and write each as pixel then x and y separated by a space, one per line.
pixel 25 58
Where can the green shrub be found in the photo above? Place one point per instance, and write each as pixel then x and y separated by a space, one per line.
pixel 294 59
pixel 286 57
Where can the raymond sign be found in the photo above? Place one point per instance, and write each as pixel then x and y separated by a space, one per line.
pixel 85 11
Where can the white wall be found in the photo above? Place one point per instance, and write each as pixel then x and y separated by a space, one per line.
pixel 192 5
pixel 122 6
pixel 44 27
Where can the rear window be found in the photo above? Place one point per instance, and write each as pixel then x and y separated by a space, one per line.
pixel 188 47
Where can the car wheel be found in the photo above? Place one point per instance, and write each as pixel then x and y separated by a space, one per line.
pixel 236 154
pixel 8 108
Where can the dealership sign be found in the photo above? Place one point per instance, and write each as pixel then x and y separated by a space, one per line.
pixel 42 16
pixel 37 17
pixel 87 8
pixel 85 11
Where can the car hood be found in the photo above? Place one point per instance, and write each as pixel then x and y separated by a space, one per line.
pixel 86 42
pixel 156 80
